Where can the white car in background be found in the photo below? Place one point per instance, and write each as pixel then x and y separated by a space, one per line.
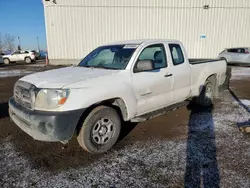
pixel 236 55
pixel 26 56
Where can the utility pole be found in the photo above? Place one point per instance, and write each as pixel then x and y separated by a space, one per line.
pixel 19 43
pixel 38 47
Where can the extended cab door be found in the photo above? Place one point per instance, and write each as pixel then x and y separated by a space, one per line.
pixel 154 88
pixel 181 72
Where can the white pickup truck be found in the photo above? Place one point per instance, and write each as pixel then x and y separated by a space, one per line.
pixel 124 81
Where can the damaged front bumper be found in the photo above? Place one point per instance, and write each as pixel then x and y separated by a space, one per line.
pixel 45 126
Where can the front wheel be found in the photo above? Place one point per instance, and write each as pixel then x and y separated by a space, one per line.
pixel 6 61
pixel 100 130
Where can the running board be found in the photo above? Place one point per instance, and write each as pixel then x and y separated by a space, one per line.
pixel 160 112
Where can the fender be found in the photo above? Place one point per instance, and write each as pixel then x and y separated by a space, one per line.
pixel 86 97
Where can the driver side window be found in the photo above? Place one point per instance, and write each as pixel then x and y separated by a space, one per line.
pixel 156 54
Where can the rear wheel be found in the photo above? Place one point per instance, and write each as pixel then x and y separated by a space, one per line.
pixel 6 61
pixel 28 60
pixel 207 94
pixel 100 130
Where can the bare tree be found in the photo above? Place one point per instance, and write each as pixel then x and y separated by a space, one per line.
pixel 1 43
pixel 9 42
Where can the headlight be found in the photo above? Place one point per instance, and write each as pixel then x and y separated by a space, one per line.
pixel 51 98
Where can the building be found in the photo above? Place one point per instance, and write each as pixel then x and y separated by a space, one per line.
pixel 206 27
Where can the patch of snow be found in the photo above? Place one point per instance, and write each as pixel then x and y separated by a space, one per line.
pixel 37 65
pixel 11 73
pixel 243 101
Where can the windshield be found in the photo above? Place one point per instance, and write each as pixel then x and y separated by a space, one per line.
pixel 109 57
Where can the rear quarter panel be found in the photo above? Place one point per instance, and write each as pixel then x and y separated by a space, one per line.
pixel 200 73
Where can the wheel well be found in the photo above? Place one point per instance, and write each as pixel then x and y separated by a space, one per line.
pixel 117 103
pixel 27 57
pixel 224 58
pixel 212 77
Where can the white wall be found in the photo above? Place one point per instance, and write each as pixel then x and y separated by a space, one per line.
pixel 74 27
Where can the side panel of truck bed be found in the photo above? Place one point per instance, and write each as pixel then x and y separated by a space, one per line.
pixel 201 70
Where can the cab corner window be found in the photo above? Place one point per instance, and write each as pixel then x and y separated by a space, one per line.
pixel 154 53
pixel 177 54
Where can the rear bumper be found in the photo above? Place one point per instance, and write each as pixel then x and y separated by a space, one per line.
pixel 45 126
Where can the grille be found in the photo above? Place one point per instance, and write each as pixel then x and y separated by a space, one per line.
pixel 22 94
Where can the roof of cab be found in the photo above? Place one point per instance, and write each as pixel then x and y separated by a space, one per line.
pixel 141 41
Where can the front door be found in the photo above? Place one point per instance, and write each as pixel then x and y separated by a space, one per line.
pixel 153 89
pixel 14 56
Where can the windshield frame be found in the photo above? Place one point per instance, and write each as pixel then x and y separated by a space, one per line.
pixel 132 47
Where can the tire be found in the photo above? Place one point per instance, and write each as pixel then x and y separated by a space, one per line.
pixel 28 60
pixel 207 94
pixel 100 130
pixel 6 61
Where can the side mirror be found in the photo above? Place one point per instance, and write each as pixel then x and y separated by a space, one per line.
pixel 144 65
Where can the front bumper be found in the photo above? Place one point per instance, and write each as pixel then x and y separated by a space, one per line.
pixel 45 126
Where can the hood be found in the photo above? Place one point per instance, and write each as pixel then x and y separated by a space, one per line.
pixel 59 78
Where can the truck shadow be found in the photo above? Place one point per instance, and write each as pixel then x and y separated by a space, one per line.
pixel 127 127
pixel 4 110
pixel 201 163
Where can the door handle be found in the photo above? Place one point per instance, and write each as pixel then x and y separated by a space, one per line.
pixel 168 75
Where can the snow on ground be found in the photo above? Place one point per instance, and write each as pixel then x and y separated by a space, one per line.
pixel 37 65
pixel 215 151
pixel 244 101
pixel 11 73
pixel 240 73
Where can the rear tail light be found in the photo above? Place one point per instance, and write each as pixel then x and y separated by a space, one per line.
pixel 247 52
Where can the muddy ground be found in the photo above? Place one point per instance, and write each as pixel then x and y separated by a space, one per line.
pixel 187 147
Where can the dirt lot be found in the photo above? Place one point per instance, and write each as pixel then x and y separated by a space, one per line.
pixel 187 147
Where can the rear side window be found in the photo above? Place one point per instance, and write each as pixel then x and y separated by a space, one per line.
pixel 177 54
pixel 232 50
pixel 241 50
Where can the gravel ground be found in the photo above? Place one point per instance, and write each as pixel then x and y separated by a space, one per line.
pixel 189 147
